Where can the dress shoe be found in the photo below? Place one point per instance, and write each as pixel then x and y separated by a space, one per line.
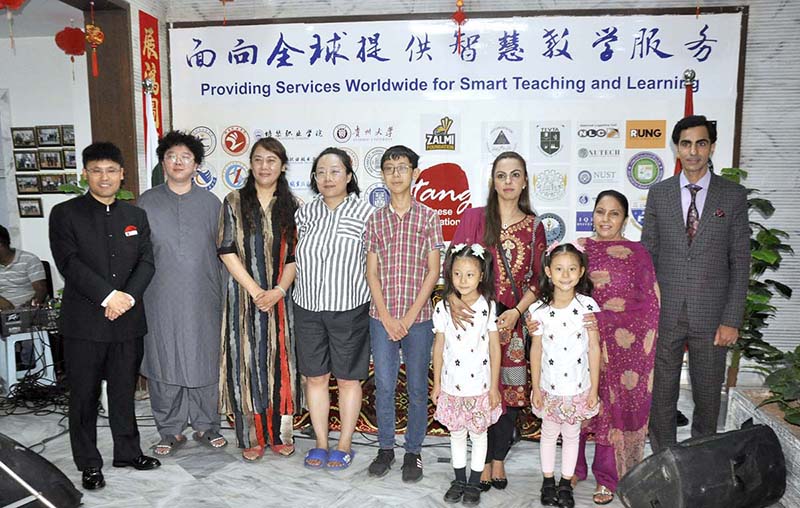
pixel 142 463
pixel 92 478
pixel 500 483
pixel 682 421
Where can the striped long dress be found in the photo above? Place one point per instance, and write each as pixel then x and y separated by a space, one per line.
pixel 258 375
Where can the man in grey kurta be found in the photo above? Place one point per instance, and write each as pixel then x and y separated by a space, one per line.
pixel 184 300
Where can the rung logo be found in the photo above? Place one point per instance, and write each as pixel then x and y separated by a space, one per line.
pixel 645 133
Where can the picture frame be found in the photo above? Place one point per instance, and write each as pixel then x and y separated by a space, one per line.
pixel 68 135
pixel 23 137
pixel 30 207
pixel 28 184
pixel 49 183
pixel 48 135
pixel 70 162
pixel 27 160
pixel 50 159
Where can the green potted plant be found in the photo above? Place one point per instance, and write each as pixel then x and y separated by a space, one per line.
pixel 784 384
pixel 767 248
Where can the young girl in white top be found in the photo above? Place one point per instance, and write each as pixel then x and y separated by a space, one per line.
pixel 466 366
pixel 565 363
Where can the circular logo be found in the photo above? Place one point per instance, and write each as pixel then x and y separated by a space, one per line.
pixel 583 153
pixel 550 184
pixel 234 175
pixel 501 139
pixel 378 195
pixel 235 140
pixel 645 169
pixel 205 177
pixel 353 157
pixel 554 227
pixel 258 134
pixel 583 198
pixel 342 133
pixel 585 177
pixel 207 137
pixel 372 161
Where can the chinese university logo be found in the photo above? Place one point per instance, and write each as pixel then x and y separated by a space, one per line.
pixel 235 140
pixel 554 227
pixel 207 137
pixel 440 138
pixel 372 161
pixel 645 169
pixel 378 195
pixel 549 140
pixel 234 175
pixel 342 133
pixel 205 177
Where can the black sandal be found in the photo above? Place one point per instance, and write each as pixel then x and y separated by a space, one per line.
pixel 565 499
pixel 549 493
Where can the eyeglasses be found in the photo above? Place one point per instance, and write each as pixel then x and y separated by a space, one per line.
pixel 333 174
pixel 186 158
pixel 401 170
pixel 106 171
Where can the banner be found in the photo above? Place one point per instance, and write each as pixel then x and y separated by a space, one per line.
pixel 151 66
pixel 589 102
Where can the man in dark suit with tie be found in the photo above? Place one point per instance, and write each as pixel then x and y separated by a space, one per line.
pixel 102 248
pixel 696 230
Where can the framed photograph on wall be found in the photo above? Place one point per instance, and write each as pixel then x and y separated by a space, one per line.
pixel 28 184
pixel 30 207
pixel 48 135
pixel 50 183
pixel 69 158
pixel 23 137
pixel 68 135
pixel 50 159
pixel 26 161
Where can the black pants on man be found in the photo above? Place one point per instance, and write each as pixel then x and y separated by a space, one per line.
pixel 88 363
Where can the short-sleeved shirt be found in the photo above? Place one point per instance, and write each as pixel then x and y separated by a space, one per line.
pixel 330 256
pixel 565 345
pixel 402 245
pixel 16 279
pixel 466 370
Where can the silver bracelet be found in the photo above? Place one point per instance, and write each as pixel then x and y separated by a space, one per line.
pixel 279 288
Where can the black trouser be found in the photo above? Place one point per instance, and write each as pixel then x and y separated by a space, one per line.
pixel 88 363
pixel 501 435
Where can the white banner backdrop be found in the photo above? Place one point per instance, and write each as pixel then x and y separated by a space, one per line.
pixel 588 101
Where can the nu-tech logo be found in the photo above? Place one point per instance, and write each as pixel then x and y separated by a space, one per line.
pixel 645 133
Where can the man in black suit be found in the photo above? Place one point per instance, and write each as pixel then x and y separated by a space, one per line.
pixel 102 248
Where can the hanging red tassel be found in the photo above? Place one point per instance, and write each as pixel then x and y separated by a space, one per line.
pixel 11 5
pixel 225 11
pixel 460 18
pixel 95 37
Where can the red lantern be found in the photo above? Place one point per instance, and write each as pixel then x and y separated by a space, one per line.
pixel 12 5
pixel 71 41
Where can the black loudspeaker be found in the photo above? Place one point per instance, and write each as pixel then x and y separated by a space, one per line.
pixel 738 469
pixel 38 472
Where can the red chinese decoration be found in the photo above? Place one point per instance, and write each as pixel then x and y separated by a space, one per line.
pixel 12 5
pixel 95 37
pixel 71 41
pixel 225 11
pixel 460 18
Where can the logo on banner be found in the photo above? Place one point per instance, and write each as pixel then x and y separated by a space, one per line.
pixel 353 157
pixel 645 169
pixel 598 153
pixel 598 131
pixel 585 177
pixel 637 212
pixel 440 138
pixel 444 188
pixel 207 137
pixel 205 176
pixel 501 139
pixel 549 140
pixel 235 140
pixel 378 195
pixel 554 227
pixel 372 161
pixel 550 184
pixel 645 133
pixel 583 221
pixel 583 199
pixel 287 134
pixel 234 175
pixel 342 133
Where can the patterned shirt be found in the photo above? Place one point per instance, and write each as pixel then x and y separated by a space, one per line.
pixel 402 245
pixel 330 255
pixel 16 279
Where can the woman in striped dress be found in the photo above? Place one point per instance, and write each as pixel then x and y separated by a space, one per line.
pixel 257 237
pixel 332 302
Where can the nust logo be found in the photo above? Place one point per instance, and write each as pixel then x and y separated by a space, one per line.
pixel 645 133
pixel 440 138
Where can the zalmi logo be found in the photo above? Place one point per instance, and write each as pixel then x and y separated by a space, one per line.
pixel 440 139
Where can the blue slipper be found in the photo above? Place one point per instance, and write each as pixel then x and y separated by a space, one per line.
pixel 343 458
pixel 319 454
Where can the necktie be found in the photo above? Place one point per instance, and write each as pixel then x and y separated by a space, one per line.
pixel 692 216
